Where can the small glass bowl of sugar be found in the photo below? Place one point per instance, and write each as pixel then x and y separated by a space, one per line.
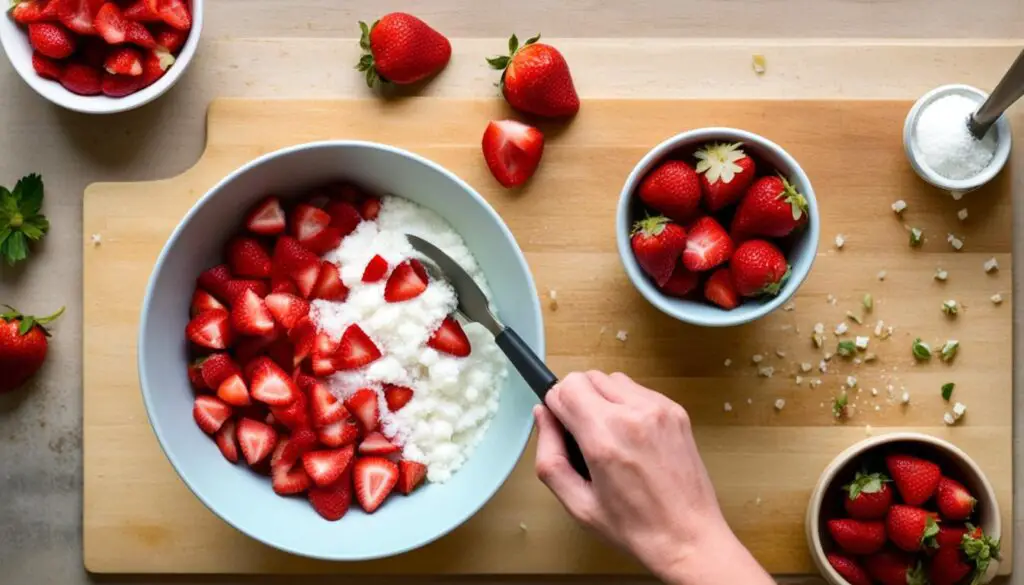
pixel 941 149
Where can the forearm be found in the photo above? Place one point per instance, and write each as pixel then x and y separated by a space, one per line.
pixel 722 560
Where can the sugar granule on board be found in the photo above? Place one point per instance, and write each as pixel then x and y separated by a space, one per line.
pixel 945 144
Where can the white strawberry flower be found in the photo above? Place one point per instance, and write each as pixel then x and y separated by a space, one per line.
pixel 718 161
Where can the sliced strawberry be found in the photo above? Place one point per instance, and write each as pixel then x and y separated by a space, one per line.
pixel 77 15
pixel 175 13
pixel 369 209
pixel 376 444
pixel 408 281
pixel 171 40
pixel 266 218
pixel 137 34
pixel 374 478
pixel 142 11
pixel 249 347
pixel 155 64
pixel 307 222
pixel 217 368
pixel 720 290
pixel 233 391
pixel 333 501
pixel 339 434
pixel 326 408
pixel 512 151
pixel 410 475
pixel 450 338
pixel 344 216
pixel 215 280
pixel 203 301
pixel 256 439
pixel 291 481
pixel 306 279
pixel 120 85
pixel 327 466
pixel 226 442
pixel 355 350
pixel 248 258
pixel 328 284
pixel 236 288
pixel 271 385
pixel 290 256
pixel 195 376
pixel 287 309
pixel 250 316
pixel 322 364
pixel 396 396
pixel 291 449
pixel 362 404
pixel 111 24
pixel 283 284
pixel 211 329
pixel 46 67
pixel 210 413
pixel 376 269
pixel 295 416
pixel 33 11
pixel 303 337
pixel 325 241
pixel 707 245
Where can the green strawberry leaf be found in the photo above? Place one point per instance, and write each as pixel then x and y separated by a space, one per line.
pixel 29 191
pixel 498 62
pixel 947 391
pixel 532 40
pixel 513 44
pixel 15 248
pixel 26 325
pixel 20 218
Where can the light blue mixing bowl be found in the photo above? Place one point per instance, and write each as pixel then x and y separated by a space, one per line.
pixel 245 500
pixel 697 312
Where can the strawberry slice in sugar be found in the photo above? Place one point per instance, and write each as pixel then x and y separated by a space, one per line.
pixel 355 350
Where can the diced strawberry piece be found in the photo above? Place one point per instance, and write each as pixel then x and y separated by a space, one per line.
pixel 210 329
pixel 210 413
pixel 32 11
pixel 120 85
pixel 374 478
pixel 376 269
pixel 290 481
pixel 307 222
pixel 325 241
pixel 333 501
pixel 77 15
pixel 226 442
pixel 450 338
pixel 237 287
pixel 369 209
pixel 376 444
pixel 355 350
pixel 287 454
pixel 111 24
pixel 195 376
pixel 322 361
pixel 215 280
pixel 233 391
pixel 326 408
pixel 217 368
pixel 328 284
pixel 155 64
pixel 283 284
pixel 172 40
pixel 303 337
pixel 175 13
pixel 720 290
pixel 410 475
pixel 46 68
pixel 256 439
pixel 81 79
pixel 408 281
pixel 344 216
pixel 137 34
pixel 248 258
pixel 249 347
pixel 266 218
pixel 306 279
pixel 203 301
pixel 250 316
pixel 339 434
pixel 271 385
pixel 362 404
pixel 287 309
pixel 295 416
pixel 291 257
pixel 327 466
pixel 396 396
pixel 142 11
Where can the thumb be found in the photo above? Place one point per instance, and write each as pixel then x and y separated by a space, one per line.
pixel 553 468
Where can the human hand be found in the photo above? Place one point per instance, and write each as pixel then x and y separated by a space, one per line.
pixel 649 491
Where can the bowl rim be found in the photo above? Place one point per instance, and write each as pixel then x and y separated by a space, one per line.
pixel 800 270
pixel 526 430
pixel 54 93
pixel 812 518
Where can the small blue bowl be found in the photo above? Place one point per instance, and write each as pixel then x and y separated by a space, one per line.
pixel 800 256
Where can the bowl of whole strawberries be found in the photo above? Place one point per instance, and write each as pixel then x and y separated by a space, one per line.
pixel 717 226
pixel 101 56
pixel 904 509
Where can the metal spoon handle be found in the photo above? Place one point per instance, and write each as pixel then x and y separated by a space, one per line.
pixel 1009 90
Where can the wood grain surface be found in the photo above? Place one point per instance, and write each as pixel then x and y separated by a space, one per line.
pixel 140 518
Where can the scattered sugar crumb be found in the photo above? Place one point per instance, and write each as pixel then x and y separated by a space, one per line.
pixel 862 341
pixel 851 381
pixel 750 400
pixel 727 407
pixel 840 241
pixel 948 419
pixel 842 328
pixel 870 357
pixel 877 408
pixel 962 214
pixel 941 274
pixel 780 403
pixel 956 195
pixel 905 397
pixel 789 306
pixel 766 372
pixel 823 366
pixel 878 328
pixel 991 265
pixel 954 241
pixel 831 299
pixel 758 64
pixel 874 391
pixel 997 299
pixel 805 367
pixel 780 353
pixel 522 526
pixel 727 362
pixel 799 379
pixel 603 329
pixel 622 335
pixel 96 239
pixel 899 205
pixel 757 501
pixel 867 430
pixel 553 295
pixel 856 361
pixel 881 275
pixel 756 358
pixel 827 355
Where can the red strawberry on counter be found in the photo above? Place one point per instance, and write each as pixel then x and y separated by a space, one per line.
pixel 673 190
pixel 758 268
pixel 400 48
pixel 771 207
pixel 707 245
pixel 858 537
pixel 953 500
pixel 916 479
pixel 725 173
pixel 867 496
pixel 895 568
pixel 535 79
pixel 657 244
pixel 512 151
pixel 720 290
pixel 375 478
pixel 910 528
pixel 51 40
pixel 450 338
pixel 849 569
pixel 23 346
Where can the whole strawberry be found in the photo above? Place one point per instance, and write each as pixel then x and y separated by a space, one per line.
pixel 953 500
pixel 849 569
pixel 51 40
pixel 858 537
pixel 758 268
pixel 962 550
pixel 895 568
pixel 725 173
pixel 657 244
pixel 401 48
pixel 867 496
pixel 672 189
pixel 916 479
pixel 535 79
pixel 771 207
pixel 911 528
pixel 23 346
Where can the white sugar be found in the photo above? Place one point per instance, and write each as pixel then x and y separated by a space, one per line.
pixel 945 144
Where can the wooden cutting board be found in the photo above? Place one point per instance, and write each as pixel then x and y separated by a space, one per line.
pixel 140 518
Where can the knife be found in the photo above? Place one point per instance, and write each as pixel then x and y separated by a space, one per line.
pixel 473 304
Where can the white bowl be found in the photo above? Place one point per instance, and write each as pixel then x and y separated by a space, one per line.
pixel 18 50
pixel 236 494
pixel 954 463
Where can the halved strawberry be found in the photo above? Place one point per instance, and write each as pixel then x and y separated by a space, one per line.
pixel 217 368
pixel 355 350
pixel 77 15
pixel 376 269
pixel 327 466
pixel 362 404
pixel 410 475
pixel 250 316
pixel 236 288
pixel 376 444
pixel 512 151
pixel 46 67
pixel 344 216
pixel 233 391
pixel 333 501
pixel 287 309
pixel 408 281
pixel 248 258
pixel 137 34
pixel 111 24
pixel 257 440
pixel 326 408
pixel 210 413
pixel 215 280
pixel 271 385
pixel 211 329
pixel 226 442
pixel 328 284
pixel 203 301
pixel 195 376
pixel 307 222
pixel 397 396
pixel 374 479
pixel 369 209
pixel 291 481
pixel 450 338
pixel 142 11
pixel 290 256
pixel 292 448
pixel 707 245
pixel 175 13
pixel 295 416
pixel 339 434
pixel 266 218
pixel 32 11
pixel 720 290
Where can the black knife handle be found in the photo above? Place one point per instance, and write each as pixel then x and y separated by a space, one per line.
pixel 540 378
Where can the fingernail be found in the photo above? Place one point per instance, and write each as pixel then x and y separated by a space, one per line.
pixel 536 410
